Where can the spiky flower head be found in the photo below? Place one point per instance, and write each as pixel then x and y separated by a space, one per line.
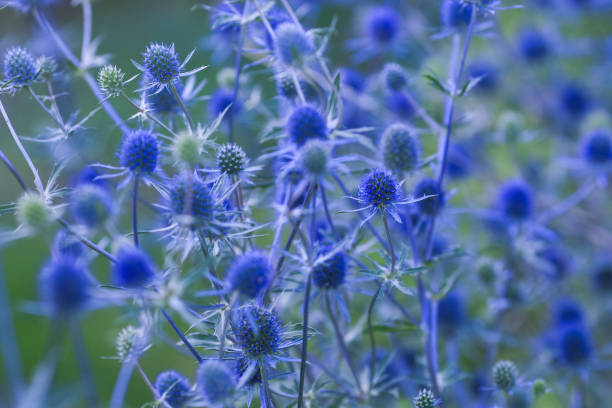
pixel 161 63
pixel 19 66
pixel 306 123
pixel 139 151
pixel 378 189
pixel 602 275
pixel 131 342
pixel 314 157
pixel 249 273
pixel 454 13
pixel 292 44
pixel 190 200
pixel 505 375
pixel 111 81
pixel 173 388
pixel 285 86
pixel 46 66
pixel 574 100
pixel 257 332
pixel 425 399
pixel 533 45
pixel 383 25
pixel 597 147
pixel 186 149
pixel 231 159
pixel 216 383
pixel 394 77
pixel 400 148
pixel 515 200
pixel 90 204
pixel 568 311
pixel 330 273
pixel 575 346
pixel 220 100
pixel 33 211
pixel 539 387
pixel 133 268
pixel 64 285
pixel 429 187
pixel 242 364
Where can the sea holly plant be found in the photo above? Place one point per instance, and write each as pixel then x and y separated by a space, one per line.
pixel 399 205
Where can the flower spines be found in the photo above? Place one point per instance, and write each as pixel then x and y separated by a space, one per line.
pixel 215 382
pixel 306 123
pixel 64 285
pixel 250 273
pixel 130 343
pixel 429 187
pixel 240 368
pixel 111 81
pixel 161 63
pixel 133 268
pixel 378 189
pixel 190 197
pixel 231 159
pixel 139 152
pixel 19 66
pixel 173 388
pixel 257 332
pixel 425 399
pixel 400 148
pixel 292 44
pixel 331 273
pixel 505 375
pixel 220 100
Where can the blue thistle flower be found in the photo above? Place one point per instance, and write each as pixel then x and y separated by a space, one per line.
pixel 133 268
pixel 425 399
pixel 455 13
pixel 567 311
pixel 292 44
pixel 574 100
pixel 67 244
pixel 231 159
pixel 314 158
pixel 242 364
pixel 161 102
pixel 533 45
pixel 190 198
pixel 173 387
pixel 602 276
pixel 575 345
pixel 19 66
pixel 458 162
pixel 249 273
pixel 597 147
pixel 399 103
pixel 89 175
pixel 505 375
pixel 400 148
pixel 257 332
pixel 139 151
pixel 220 100
pixel 378 189
pixel 451 312
pixel 215 382
pixel 285 86
pixel 90 204
pixel 383 25
pixel 306 123
pixel 64 285
pixel 394 77
pixel 161 63
pixel 330 273
pixel 515 200
pixel 429 187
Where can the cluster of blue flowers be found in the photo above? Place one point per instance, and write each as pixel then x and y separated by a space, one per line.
pixel 408 206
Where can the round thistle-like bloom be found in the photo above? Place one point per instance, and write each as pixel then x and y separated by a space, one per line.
pixel 515 200
pixel 161 62
pixel 394 77
pixel 505 375
pixel 425 399
pixel 383 25
pixel 331 273
pixel 186 148
pixel 400 148
pixel 249 273
pixel 602 276
pixel 429 187
pixel 568 312
pixel 111 81
pixel 575 345
pixel 378 189
pixel 190 200
pixel 67 244
pixel 231 159
pixel 90 204
pixel 314 157
pixel 46 67
pixel 292 44
pixel 130 343
pixel 597 147
pixel 451 313
pixel 539 387
pixel 33 211
pixel 133 268
pixel 139 151
pixel 220 100
pixel 533 45
pixel 173 388
pixel 574 100
pixel 242 364
pixel 19 66
pixel 285 86
pixel 257 332
pixel 64 285
pixel 455 13
pixel 216 383
pixel 306 123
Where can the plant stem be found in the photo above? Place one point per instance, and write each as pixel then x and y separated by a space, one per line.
pixel 181 103
pixel 135 211
pixel 148 115
pixel 182 336
pixel 390 241
pixel 266 398
pixel 86 4
pixel 327 214
pixel 238 66
pixel 122 383
pixel 304 340
pixel 51 114
pixel 372 338
pixel 84 366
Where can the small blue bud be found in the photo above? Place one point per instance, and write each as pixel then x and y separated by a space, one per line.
pixel 400 148
pixel 383 25
pixel 574 100
pixel 220 100
pixel 306 123
pixel 567 311
pixel 67 244
pixel 90 204
pixel 231 159
pixel 575 345
pixel 19 66
pixel 429 187
pixel 242 363
pixel 139 151
pixel 515 200
pixel 173 388
pixel 64 285
pixel 451 312
pixel 257 331
pixel 394 77
pixel 455 13
pixel 161 62
pixel 533 45
pixel 292 44
pixel 378 189
pixel 133 268
pixel 215 381
pixel 190 200
pixel 597 147
pixel 331 273
pixel 249 273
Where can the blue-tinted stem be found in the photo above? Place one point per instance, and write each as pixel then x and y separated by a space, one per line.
pixel 570 202
pixel 82 359
pixel 13 171
pixel 182 336
pixel 230 113
pixel 327 214
pixel 135 211
pixel 372 337
pixel 182 105
pixel 122 383
pixel 265 395
pixel 305 311
pixel 313 218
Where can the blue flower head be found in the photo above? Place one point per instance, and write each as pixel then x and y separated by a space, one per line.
pixel 19 66
pixel 394 77
pixel 378 189
pixel 533 45
pixel 400 148
pixel 400 104
pixel 330 273
pixel 567 311
pixel 292 44
pixel 574 100
pixel 602 276
pixel 190 200
pixel 242 364
pixel 90 204
pixel 67 244
pixel 249 273
pixel 64 285
pixel 515 200
pixel 451 312
pixel 285 86
pixel 557 260
pixel 575 345
pixel 429 187
pixel 455 13
pixel 597 147
pixel 231 159
pixel 257 332
pixel 139 151
pixel 305 123
pixel 161 63
pixel 215 382
pixel 89 175
pixel 383 25
pixel 220 100
pixel 133 268
pixel 161 101
pixel 173 388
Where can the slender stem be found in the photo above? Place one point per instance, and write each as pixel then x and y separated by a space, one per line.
pixel 49 112
pixel 266 385
pixel 135 211
pixel 225 327
pixel 211 268
pixel 230 113
pixel 181 103
pixel 570 202
pixel 401 307
pixel 313 217
pixel 390 241
pixel 122 383
pixel 327 214
pixel 372 338
pixel 147 381
pixel 86 28
pixel 341 343
pixel 82 358
pixel 86 241
pixel 182 336
pixel 148 115
pixel 13 171
pixel 304 340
